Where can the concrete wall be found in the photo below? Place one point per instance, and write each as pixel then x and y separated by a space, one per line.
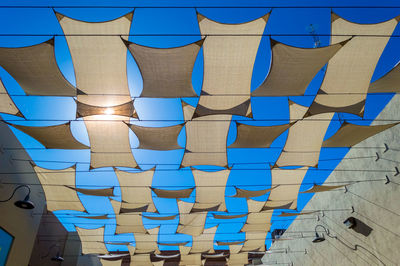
pixel 22 224
pixel 375 203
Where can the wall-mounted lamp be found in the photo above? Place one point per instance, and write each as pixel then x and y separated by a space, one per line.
pixel 319 237
pixel 23 204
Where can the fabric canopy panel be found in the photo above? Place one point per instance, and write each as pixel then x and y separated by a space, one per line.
pixel 190 223
pixel 127 222
pixel 243 193
pixel 229 55
pixel 98 217
pixel 187 111
pixel 109 141
pixel 58 196
pixel 206 141
pixel 204 243
pixel 296 111
pixel 99 55
pixel 125 109
pixel 290 214
pixel 173 244
pixel 210 188
pixel 103 192
pixel 159 218
pixel 254 205
pixel 166 72
pixel 289 182
pixel 349 72
pixel 173 194
pixel 53 137
pixel 225 217
pixel 258 222
pixel 36 70
pixel 255 241
pixel 349 135
pixel 238 259
pixel 293 68
pixel 110 262
pixel 146 243
pixel 192 259
pixel 7 105
pixel 141 259
pixel 135 190
pixel 304 141
pixel 249 136
pixel 318 188
pixel 388 83
pixel 157 138
pixel 92 240
pixel 221 105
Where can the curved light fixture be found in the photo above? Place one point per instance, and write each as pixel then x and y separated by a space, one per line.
pixel 319 238
pixel 23 204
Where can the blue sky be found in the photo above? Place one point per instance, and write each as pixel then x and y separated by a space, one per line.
pixel 56 110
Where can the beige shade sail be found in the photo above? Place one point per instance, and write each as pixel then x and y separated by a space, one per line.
pixel 166 72
pixel 258 222
pixel 206 141
pixel 278 204
pixel 319 188
pixel 58 196
pixel 289 184
pixel 229 55
pixel 254 205
pixel 304 141
pixel 110 262
pixel 125 109
pixel 158 263
pixel 184 250
pixel 190 223
pixel 105 192
pixel 243 193
pixel 146 243
pixel 349 135
pixel 173 194
pixel 225 217
pixel 53 137
pixel 98 54
pixel 389 83
pixel 238 259
pixel 141 259
pixel 36 70
pixel 135 189
pixel 92 240
pixel 98 217
pixel 187 110
pixel 159 218
pixel 7 105
pixel 296 111
pixel 204 242
pixel 127 222
pixel 157 138
pixel 290 214
pixel 293 68
pixel 173 244
pixel 213 105
pixel 254 241
pixel 190 260
pixel 349 72
pixel 109 141
pixel 249 136
pixel 232 244
pixel 210 188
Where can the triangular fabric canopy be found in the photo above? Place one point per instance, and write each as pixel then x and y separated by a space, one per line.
pixel 157 138
pixel 125 109
pixel 231 244
pixel 135 189
pixel 254 206
pixel 349 72
pixel 190 223
pixel 127 222
pixel 319 188
pixel 36 70
pixel 388 83
pixel 221 105
pixel 258 222
pixel 173 194
pixel 173 244
pixel 296 111
pixel 293 68
pixel 243 193
pixel 7 105
pixel 229 55
pixel 204 242
pixel 192 259
pixel 141 259
pixel 210 188
pixel 249 136
pixel 58 196
pixel 304 141
pixel 290 214
pixel 103 192
pixel 110 262
pixel 92 240
pixel 206 141
pixel 160 218
pixel 187 111
pixel 225 217
pixel 254 241
pixel 146 243
pixel 349 135
pixel 238 259
pixel 53 137
pixel 166 72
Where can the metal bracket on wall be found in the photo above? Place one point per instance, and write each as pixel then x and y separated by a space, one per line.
pixel 386 147
pixel 387 180
pixel 397 171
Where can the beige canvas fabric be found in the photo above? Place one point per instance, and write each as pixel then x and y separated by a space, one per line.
pixel 210 188
pixel 278 204
pixel 53 137
pixel 174 244
pixel 238 259
pixel 98 54
pixel 36 70
pixel 92 240
pixel 349 135
pixel 135 189
pixel 58 196
pixel 249 136
pixel 173 194
pixel 7 105
pixel 166 72
pixel 109 141
pixel 254 241
pixel 304 141
pixel 190 223
pixel 229 60
pixel 293 68
pixel 289 214
pixel 258 222
pixel 160 218
pixel 127 222
pixel 190 260
pixel 351 69
pixel 110 262
pixel 187 111
pixel 243 193
pixel 254 205
pixel 388 83
pixel 296 111
pixel 204 242
pixel 218 104
pixel 234 246
pixel 206 141
pixel 158 263
pixel 141 259
pixel 289 184
pixel 157 138
pixel 125 109
pixel 184 250
pixel 223 216
pixel 104 192
pixel 318 188
pixel 146 243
